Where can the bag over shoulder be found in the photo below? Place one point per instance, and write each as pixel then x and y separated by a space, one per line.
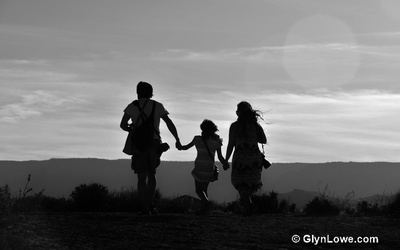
pixel 142 136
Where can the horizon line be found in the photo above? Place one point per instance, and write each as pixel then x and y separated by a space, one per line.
pixel 117 159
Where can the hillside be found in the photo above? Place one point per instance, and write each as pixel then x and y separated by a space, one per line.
pixel 60 176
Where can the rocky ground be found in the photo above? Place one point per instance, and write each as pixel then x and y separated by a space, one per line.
pixel 188 231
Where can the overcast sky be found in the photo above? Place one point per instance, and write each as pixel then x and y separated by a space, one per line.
pixel 326 74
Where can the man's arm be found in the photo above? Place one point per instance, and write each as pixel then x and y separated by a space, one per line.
pixel 124 125
pixel 171 126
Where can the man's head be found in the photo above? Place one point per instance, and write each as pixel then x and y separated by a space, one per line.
pixel 144 90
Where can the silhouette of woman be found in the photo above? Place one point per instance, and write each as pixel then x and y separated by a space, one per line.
pixel 244 136
pixel 206 144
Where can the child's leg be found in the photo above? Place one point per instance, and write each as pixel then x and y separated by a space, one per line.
pixel 201 190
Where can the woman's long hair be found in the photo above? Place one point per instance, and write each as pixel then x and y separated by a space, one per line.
pixel 247 117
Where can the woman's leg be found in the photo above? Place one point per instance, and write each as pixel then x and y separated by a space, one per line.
pixel 247 203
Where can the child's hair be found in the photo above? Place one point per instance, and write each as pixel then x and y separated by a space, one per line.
pixel 208 128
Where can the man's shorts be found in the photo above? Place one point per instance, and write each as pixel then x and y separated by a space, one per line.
pixel 146 162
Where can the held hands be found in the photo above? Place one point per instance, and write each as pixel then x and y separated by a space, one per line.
pixel 225 165
pixel 178 145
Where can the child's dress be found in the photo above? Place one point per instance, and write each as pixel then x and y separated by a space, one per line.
pixel 203 165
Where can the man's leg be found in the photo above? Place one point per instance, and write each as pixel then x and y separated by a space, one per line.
pixel 142 190
pixel 151 189
pixel 153 162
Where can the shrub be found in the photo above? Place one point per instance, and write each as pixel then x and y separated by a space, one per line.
pixel 31 203
pixel 326 204
pixel 267 202
pixel 5 200
pixel 321 206
pixel 394 205
pixel 92 197
pixel 270 203
pixel 376 208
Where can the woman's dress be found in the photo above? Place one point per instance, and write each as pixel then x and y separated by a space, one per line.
pixel 246 163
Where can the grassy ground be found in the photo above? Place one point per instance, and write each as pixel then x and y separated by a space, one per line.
pixel 34 221
pixel 188 231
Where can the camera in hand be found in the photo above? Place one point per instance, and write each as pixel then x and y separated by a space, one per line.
pixel 266 164
pixel 162 148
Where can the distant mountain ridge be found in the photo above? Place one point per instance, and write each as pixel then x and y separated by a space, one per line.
pixel 60 176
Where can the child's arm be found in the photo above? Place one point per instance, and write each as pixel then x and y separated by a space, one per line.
pixel 186 147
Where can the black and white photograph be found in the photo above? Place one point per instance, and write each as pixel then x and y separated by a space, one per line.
pixel 199 124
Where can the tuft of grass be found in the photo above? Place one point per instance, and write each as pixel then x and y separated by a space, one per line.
pixel 265 203
pixel 126 200
pixel 27 201
pixel 52 204
pixel 325 204
pixel 181 204
pixel 10 207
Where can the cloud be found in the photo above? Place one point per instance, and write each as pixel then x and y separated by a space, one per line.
pixel 334 126
pixel 304 127
pixel 38 103
pixel 334 53
pixel 239 55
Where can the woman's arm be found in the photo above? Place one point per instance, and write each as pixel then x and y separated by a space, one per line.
pixel 231 142
pixel 225 163
pixel 261 135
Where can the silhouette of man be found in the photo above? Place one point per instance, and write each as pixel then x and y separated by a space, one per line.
pixel 144 163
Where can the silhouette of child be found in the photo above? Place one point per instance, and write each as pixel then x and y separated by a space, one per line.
pixel 203 171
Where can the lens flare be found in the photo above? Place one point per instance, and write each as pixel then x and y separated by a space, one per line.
pixel 321 52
